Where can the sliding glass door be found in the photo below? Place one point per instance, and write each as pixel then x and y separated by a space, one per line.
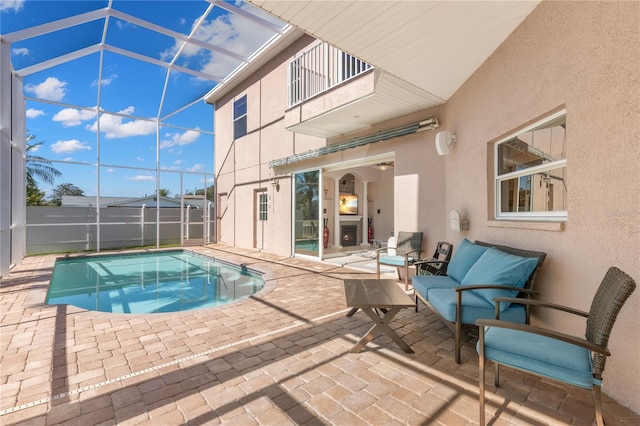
pixel 306 213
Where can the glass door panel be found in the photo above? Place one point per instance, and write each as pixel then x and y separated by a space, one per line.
pixel 306 213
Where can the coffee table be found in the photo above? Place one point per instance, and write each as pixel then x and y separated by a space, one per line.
pixel 372 294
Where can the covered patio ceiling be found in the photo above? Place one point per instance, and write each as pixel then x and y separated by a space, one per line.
pixel 434 45
pixel 427 49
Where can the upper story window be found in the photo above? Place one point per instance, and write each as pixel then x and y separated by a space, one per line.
pixel 531 172
pixel 240 117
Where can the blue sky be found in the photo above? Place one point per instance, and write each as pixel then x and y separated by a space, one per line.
pixel 136 95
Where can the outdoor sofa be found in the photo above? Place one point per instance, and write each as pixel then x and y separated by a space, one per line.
pixel 477 273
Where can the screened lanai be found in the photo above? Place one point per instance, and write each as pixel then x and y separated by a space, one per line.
pixel 106 139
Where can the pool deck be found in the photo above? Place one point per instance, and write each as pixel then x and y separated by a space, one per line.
pixel 280 357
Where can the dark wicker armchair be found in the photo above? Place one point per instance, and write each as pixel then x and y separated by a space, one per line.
pixel 558 356
pixel 438 263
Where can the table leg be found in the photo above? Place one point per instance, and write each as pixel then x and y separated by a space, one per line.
pixel 381 324
pixel 352 311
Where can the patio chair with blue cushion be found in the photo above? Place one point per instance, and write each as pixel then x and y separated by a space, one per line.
pixel 407 252
pixel 573 360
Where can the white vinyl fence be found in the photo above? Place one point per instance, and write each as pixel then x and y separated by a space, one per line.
pixel 72 229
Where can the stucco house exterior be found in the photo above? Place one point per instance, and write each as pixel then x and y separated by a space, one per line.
pixel 546 153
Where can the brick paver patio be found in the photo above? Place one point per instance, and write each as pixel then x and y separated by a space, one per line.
pixel 280 357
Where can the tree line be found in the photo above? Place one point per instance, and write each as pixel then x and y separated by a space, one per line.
pixel 38 168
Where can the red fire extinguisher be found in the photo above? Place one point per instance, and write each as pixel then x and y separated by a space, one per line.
pixel 370 230
pixel 325 236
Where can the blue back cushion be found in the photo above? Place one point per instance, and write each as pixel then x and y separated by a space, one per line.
pixel 464 257
pixel 498 267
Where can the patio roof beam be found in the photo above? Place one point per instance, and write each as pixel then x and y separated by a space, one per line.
pixel 176 35
pixel 162 64
pixel 59 60
pixel 192 34
pixel 60 24
pixel 182 108
pixel 127 116
pixel 256 19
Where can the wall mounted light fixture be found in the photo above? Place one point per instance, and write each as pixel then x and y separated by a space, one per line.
pixel 444 140
pixel 456 222
pixel 275 184
pixel 385 166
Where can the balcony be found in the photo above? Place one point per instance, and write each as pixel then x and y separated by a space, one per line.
pixel 332 93
pixel 319 69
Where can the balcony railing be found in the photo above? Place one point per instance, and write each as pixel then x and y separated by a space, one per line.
pixel 319 69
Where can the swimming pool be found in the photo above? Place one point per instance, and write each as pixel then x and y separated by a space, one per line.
pixel 165 281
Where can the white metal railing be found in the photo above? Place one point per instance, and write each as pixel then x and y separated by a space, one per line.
pixel 319 69
pixel 309 229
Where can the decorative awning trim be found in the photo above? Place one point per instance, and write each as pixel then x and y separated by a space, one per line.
pixel 430 123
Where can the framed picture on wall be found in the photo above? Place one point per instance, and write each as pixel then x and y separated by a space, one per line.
pixel 348 204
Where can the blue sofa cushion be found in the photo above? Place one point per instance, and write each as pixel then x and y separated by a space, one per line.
pixel 464 257
pixel 422 284
pixel 540 355
pixel 498 267
pixel 474 307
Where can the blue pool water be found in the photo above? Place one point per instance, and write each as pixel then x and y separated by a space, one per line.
pixel 166 281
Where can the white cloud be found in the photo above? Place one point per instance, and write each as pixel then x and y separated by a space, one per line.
pixel 68 159
pixel 20 51
pixel 34 149
pixel 196 168
pixel 115 127
pixel 178 162
pixel 140 159
pixel 230 32
pixel 190 136
pixel 111 170
pixel 145 178
pixel 14 5
pixel 67 147
pixel 34 113
pixel 51 89
pixel 73 117
pixel 105 81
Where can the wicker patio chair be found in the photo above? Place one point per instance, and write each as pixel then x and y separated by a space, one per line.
pixel 438 263
pixel 548 353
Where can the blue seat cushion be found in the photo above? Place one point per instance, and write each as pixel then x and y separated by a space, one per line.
pixel 498 267
pixel 474 307
pixel 540 355
pixel 464 257
pixel 396 260
pixel 423 283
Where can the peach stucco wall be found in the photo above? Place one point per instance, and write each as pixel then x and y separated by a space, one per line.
pixel 582 56
pixel 242 166
pixel 585 57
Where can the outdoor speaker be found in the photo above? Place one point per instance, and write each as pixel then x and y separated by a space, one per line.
pixel 443 142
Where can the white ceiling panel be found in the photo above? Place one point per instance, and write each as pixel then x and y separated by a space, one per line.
pixel 434 45
pixel 393 98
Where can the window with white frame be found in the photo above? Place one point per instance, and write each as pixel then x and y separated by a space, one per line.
pixel 262 207
pixel 240 117
pixel 531 171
